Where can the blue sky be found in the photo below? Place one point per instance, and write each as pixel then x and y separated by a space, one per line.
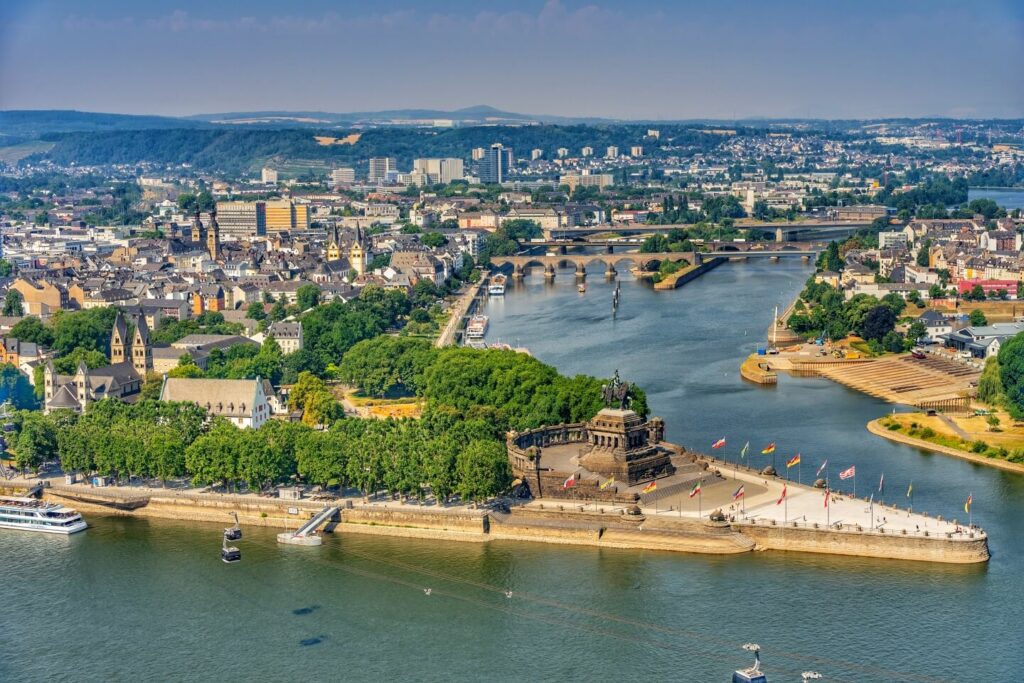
pixel 640 59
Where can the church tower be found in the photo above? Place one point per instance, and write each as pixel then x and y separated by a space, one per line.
pixel 198 233
pixel 142 352
pixel 118 340
pixel 357 254
pixel 213 236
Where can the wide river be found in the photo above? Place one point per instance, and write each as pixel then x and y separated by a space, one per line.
pixel 133 599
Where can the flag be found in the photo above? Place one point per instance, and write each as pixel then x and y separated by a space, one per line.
pixel 782 497
pixel 608 483
pixel 967 503
pixel 743 453
pixel 650 487
pixel 847 473
pixel 881 482
pixel 570 482
pixel 827 492
pixel 719 443
pixel 769 449
pixel 739 493
pixel 793 462
pixel 910 489
pixel 695 490
pixel 823 465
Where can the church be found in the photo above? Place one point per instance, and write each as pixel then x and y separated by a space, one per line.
pixel 131 357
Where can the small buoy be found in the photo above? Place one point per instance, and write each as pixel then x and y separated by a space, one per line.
pixel 427 591
pixel 508 594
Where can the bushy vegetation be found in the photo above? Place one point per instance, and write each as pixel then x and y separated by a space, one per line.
pixel 826 312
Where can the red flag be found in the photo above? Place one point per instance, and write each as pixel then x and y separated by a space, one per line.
pixel 782 497
pixel 849 472
pixel 570 482
pixel 719 443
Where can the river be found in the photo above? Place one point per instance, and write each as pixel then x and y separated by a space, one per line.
pixel 1009 199
pixel 133 598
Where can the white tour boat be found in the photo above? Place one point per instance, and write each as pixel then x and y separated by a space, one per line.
pixel 477 327
pixel 35 515
pixel 497 286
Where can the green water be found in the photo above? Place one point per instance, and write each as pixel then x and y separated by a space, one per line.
pixel 133 598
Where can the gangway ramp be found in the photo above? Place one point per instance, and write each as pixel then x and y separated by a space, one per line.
pixel 307 533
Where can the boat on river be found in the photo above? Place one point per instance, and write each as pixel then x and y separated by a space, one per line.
pixel 752 674
pixel 497 285
pixel 30 514
pixel 477 327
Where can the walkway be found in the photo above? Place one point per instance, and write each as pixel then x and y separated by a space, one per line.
pixel 459 311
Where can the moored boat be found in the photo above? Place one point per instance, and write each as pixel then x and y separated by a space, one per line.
pixel 30 514
pixel 477 327
pixel 497 285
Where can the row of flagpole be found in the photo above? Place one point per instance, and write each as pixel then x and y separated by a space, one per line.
pixel 849 473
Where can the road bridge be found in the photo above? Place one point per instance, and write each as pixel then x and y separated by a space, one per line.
pixel 783 231
pixel 612 262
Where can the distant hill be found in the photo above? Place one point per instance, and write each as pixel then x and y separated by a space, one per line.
pixel 478 114
pixel 29 123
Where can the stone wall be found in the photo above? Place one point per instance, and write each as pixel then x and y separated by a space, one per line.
pixel 867 544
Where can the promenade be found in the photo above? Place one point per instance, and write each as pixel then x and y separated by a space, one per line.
pixel 459 310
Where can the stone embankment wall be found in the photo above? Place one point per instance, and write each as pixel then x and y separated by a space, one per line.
pixel 867 544
pixel 679 279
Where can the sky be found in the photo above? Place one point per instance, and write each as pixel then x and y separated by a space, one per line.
pixel 643 59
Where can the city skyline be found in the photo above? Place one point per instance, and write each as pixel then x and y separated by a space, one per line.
pixel 650 61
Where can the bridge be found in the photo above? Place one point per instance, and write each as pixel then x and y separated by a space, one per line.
pixel 783 231
pixel 611 262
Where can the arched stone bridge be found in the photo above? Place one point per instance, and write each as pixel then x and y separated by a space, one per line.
pixel 609 262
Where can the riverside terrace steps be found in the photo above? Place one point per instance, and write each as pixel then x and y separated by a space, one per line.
pixel 928 382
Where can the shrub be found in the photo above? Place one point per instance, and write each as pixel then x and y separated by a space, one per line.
pixel 927 433
pixel 894 426
pixel 978 446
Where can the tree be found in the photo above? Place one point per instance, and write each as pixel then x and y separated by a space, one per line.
pixel 990 385
pixel 434 240
pixel 37 442
pixel 993 422
pixel 15 387
pixel 278 312
pixel 830 259
pixel 977 318
pixel 878 322
pixel 1011 374
pixel 307 296
pixel 314 399
pixel 482 470
pixel 12 304
pixel 6 268
pixel 32 329
pixel 917 331
pixel 256 311
pixel 922 254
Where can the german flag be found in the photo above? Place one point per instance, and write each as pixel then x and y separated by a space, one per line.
pixel 650 487
pixel 769 449
pixel 794 461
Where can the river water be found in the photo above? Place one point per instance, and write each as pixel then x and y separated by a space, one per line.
pixel 132 598
pixel 1009 199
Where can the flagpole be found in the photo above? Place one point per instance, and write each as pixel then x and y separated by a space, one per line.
pixel 799 471
pixel 855 483
pixel 785 513
pixel 700 503
pixel 970 510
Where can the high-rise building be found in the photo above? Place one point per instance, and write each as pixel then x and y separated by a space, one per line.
pixel 653 133
pixel 268 176
pixel 441 171
pixel 574 180
pixel 496 164
pixel 612 152
pixel 285 214
pixel 242 220
pixel 587 151
pixel 478 153
pixel 562 152
pixel 536 154
pixel 341 176
pixel 636 151
pixel 379 167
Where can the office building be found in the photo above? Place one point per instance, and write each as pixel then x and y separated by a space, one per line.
pixel 574 180
pixel 636 151
pixel 612 152
pixel 285 214
pixel 268 176
pixel 478 153
pixel 587 151
pixel 437 171
pixel 341 176
pixel 379 167
pixel 536 154
pixel 563 152
pixel 242 220
pixel 496 164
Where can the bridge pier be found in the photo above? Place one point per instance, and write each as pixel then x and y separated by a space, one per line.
pixel 517 272
pixel 773 258
pixel 549 272
pixel 779 236
pixel 581 271
pixel 609 249
pixel 805 258
pixel 610 273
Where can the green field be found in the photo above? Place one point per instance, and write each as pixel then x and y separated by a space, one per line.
pixel 12 154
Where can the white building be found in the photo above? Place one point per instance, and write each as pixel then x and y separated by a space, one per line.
pixel 242 402
pixel 268 176
pixel 341 176
pixel 888 239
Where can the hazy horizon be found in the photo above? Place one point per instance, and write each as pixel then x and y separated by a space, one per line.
pixel 648 60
